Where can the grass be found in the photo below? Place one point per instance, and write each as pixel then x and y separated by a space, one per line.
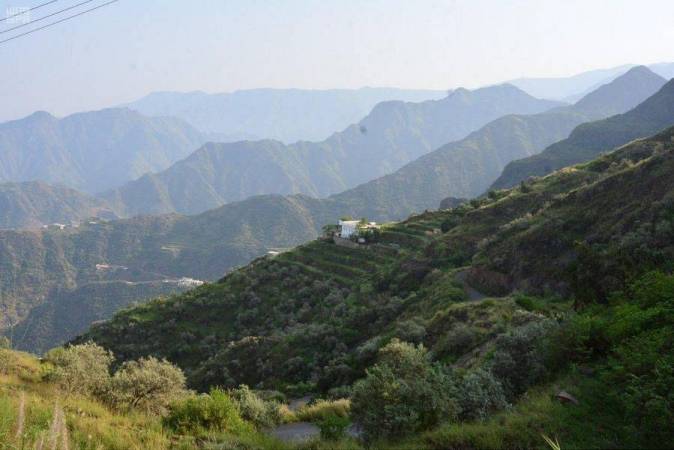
pixel 35 414
pixel 321 409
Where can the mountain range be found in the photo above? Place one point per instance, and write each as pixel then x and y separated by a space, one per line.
pixel 573 88
pixel 466 168
pixel 286 115
pixel 393 134
pixel 92 151
pixel 311 316
pixel 588 140
pixel 33 204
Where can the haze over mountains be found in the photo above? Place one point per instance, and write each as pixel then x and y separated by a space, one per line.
pixel 573 88
pixel 33 204
pixel 286 115
pixel 588 140
pixel 92 151
pixel 100 267
pixel 393 134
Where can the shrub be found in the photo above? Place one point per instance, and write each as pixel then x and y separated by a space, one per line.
pixel 333 428
pixel 207 412
pixel 519 360
pixel 148 384
pixel 459 340
pixel 479 394
pixel 402 393
pixel 5 343
pixel 322 409
pixel 83 369
pixel 252 408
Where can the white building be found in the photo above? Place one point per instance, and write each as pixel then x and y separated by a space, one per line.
pixel 348 228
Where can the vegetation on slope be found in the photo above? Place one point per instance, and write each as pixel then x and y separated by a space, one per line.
pixel 393 134
pixel 589 140
pixel 315 318
pixel 92 151
pixel 34 204
pixel 466 168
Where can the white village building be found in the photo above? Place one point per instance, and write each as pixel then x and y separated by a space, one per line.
pixel 347 228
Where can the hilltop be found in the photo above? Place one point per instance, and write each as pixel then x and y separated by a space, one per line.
pixel 588 140
pixel 286 115
pixel 467 283
pixel 34 204
pixel 500 235
pixel 92 151
pixel 391 135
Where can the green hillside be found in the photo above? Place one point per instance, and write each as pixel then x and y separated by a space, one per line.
pixel 60 269
pixel 34 204
pixel 466 168
pixel 500 279
pixel 391 135
pixel 92 151
pixel 590 139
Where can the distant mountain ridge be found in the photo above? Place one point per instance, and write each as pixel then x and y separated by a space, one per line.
pixel 588 140
pixel 573 88
pixel 466 168
pixel 152 249
pixel 92 151
pixel 34 204
pixel 286 115
pixel 393 134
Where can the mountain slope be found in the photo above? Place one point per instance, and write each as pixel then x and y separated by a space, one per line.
pixel 55 282
pixel 573 88
pixel 393 134
pixel 589 139
pixel 92 151
pixel 286 115
pixel 316 314
pixel 465 168
pixel 564 87
pixel 33 204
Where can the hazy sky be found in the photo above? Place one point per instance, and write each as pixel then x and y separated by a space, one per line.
pixel 130 48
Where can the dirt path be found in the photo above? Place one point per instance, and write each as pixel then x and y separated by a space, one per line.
pixel 21 419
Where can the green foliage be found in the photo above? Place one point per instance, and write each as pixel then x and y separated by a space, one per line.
pixel 148 384
pixel 403 393
pixel 83 369
pixel 479 395
pixel 5 343
pixel 519 359
pixel 254 409
pixel 322 409
pixel 215 411
pixel 333 427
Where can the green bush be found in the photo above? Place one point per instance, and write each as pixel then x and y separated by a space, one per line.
pixel 83 369
pixel 480 394
pixel 333 427
pixel 206 412
pixel 322 409
pixel 519 359
pixel 401 394
pixel 148 384
pixel 254 409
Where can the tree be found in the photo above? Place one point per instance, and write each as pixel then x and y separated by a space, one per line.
pixel 403 393
pixel 83 369
pixel 148 384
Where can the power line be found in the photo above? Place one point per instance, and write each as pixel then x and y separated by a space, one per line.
pixel 45 17
pixel 28 10
pixel 59 21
